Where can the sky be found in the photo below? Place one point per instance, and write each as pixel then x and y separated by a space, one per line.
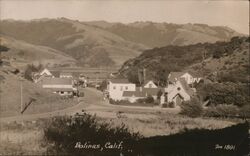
pixel 234 14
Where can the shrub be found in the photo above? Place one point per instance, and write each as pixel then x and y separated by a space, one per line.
pixel 171 105
pixel 30 69
pixel 245 111
pixel 192 108
pixel 112 101
pixel 222 110
pixel 149 99
pixel 164 105
pixel 63 133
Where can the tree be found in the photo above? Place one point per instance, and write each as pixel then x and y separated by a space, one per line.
pixel 2 49
pixel 192 108
pixel 103 85
pixel 30 68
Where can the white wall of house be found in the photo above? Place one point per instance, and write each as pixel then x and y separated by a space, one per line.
pixel 132 99
pixel 66 76
pixel 116 90
pixel 150 84
pixel 56 86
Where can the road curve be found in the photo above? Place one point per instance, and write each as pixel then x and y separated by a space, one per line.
pixel 91 97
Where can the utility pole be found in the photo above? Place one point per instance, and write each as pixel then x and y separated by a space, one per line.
pixel 21 94
pixel 144 74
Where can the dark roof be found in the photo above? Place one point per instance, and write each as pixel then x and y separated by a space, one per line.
pixel 186 87
pixel 61 89
pixel 56 81
pixel 119 81
pixel 55 73
pixel 142 92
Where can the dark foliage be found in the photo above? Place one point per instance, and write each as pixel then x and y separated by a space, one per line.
pixel 222 111
pixel 192 108
pixel 225 93
pixel 103 85
pixel 64 132
pixel 198 142
pixel 3 48
pixel 160 61
pixel 30 69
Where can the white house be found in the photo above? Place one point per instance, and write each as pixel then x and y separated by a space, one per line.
pixel 189 78
pixel 140 93
pixel 150 84
pixel 62 86
pixel 45 73
pixel 179 91
pixel 116 87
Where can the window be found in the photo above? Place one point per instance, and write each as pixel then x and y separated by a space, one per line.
pixel 114 87
pixel 121 88
pixel 178 88
pixel 126 87
pixel 150 85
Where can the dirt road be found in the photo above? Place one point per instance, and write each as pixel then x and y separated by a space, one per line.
pixel 92 102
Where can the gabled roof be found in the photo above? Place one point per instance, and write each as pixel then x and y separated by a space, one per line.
pixel 173 76
pixel 119 81
pixel 186 87
pixel 55 73
pixel 147 81
pixel 57 81
pixel 141 92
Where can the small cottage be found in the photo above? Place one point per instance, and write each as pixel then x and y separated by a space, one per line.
pixel 61 86
pixel 178 92
pixel 116 87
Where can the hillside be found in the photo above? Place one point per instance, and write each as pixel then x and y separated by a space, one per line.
pixel 227 59
pixel 22 53
pixel 90 45
pixel 161 34
pixel 10 95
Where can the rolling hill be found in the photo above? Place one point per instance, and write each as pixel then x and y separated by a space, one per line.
pixel 100 43
pixel 228 60
pixel 161 34
pixel 91 46
pixel 22 53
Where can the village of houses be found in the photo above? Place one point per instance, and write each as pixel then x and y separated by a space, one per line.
pixel 179 87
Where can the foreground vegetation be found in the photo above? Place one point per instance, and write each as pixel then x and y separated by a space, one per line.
pixel 60 134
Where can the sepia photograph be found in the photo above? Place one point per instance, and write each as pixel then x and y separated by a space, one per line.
pixel 124 77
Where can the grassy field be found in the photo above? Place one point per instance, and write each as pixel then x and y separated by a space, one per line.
pixel 28 138
pixel 10 97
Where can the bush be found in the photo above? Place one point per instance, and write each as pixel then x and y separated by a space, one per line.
pixel 222 110
pixel 245 111
pixel 63 134
pixel 149 99
pixel 171 105
pixel 117 102
pixel 30 69
pixel 164 105
pixel 192 108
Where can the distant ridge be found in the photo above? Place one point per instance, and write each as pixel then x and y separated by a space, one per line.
pixel 100 43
